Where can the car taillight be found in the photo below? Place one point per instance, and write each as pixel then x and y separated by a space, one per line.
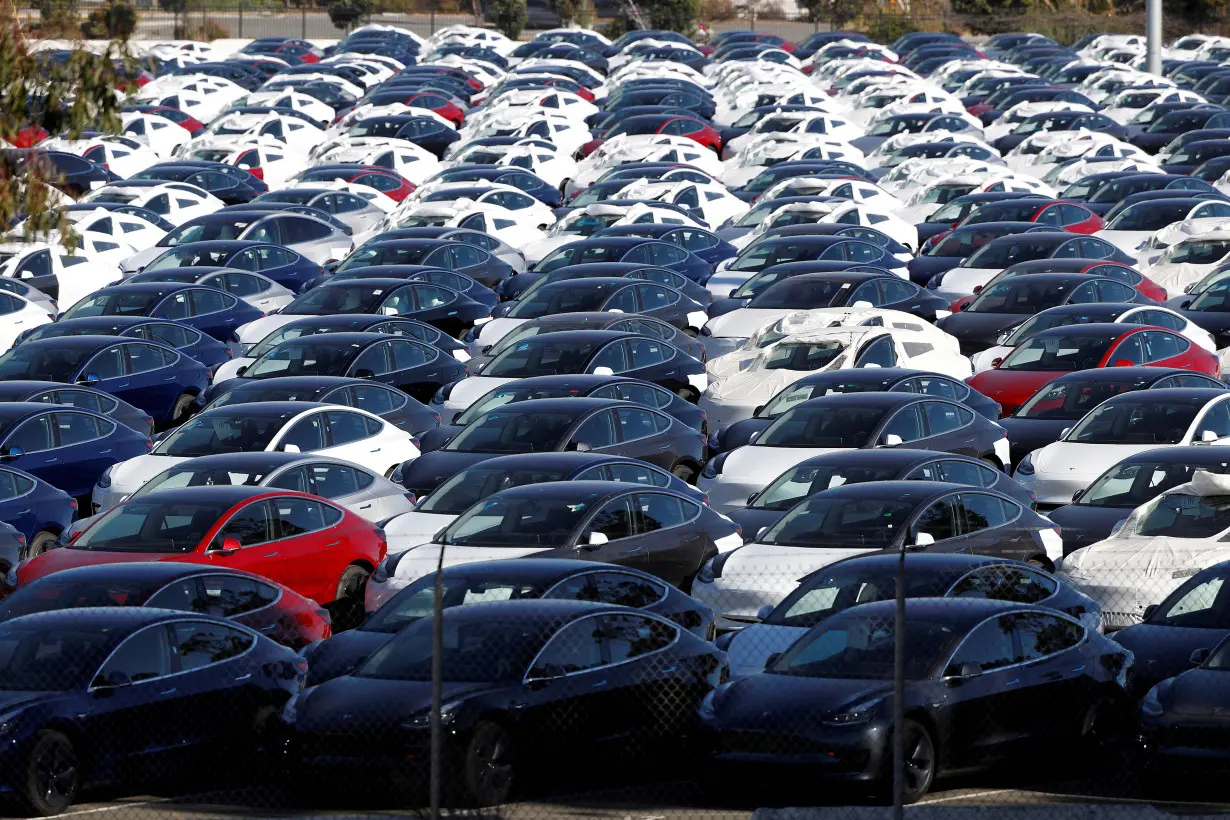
pixel 323 614
pixel 704 499
pixel 149 444
pixel 51 316
pixel 209 373
pixel 738 529
pixel 72 503
pixel 412 498
pixel 704 438
pixel 229 352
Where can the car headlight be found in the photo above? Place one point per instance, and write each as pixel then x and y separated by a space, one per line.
pixel 857 714
pixel 1026 467
pixel 104 480
pixel 448 712
pixel 1152 704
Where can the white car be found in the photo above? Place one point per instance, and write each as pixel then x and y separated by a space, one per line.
pixel 354 435
pixel 122 154
pixel 133 231
pixel 741 381
pixel 1145 229
pixel 523 207
pixel 76 277
pixel 510 227
pixel 18 315
pixel 177 202
pixel 1155 550
pixel 1122 426
pixel 163 136
pixel 296 101
pixel 583 222
pixel 712 204
pixel 258 291
pixel 1190 260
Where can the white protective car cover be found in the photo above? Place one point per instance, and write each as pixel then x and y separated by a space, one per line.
pixel 1176 276
pixel 1126 573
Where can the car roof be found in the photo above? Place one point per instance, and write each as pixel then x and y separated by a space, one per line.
pixel 1136 373
pixel 546 570
pixel 259 460
pixel 872 399
pixel 268 409
pixel 940 562
pixel 154 573
pixel 1193 395
pixel 1110 330
pixel 898 489
pixel 87 342
pixel 900 457
pixel 571 406
pixel 573 489
pixel 121 620
pixel 348 338
pixel 961 612
pixel 569 460
pixel 1180 454
pixel 21 387
pixel 581 336
pixel 228 494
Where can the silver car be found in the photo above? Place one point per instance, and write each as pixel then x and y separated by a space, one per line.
pixel 306 235
pixel 360 214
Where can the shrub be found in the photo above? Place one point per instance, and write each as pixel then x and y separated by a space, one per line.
pixel 345 14
pixel 114 21
pixel 888 27
pixel 509 16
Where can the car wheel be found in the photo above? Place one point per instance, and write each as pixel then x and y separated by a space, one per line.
pixel 41 543
pixel 347 608
pixel 684 473
pixel 688 394
pixel 51 776
pixel 488 768
pixel 183 408
pixel 920 761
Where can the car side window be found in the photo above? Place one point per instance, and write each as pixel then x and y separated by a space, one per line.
pixel 635 423
pixel 333 480
pixel 142 358
pixel 985 512
pixel 614 356
pixel 614 520
pixel 631 636
pixel 297 516
pixel 961 472
pixel 638 474
pixel 906 423
pixel 1217 419
pixel 183 596
pixel 295 479
pixel 75 428
pixel 1005 582
pixel 1084 295
pixel 880 352
pixel 616 588
pixel 658 511
pixel 8 485
pixel 307 434
pixel 1160 344
pixel 623 300
pixel 989 646
pixel 176 306
pixel 375 359
pixel 172 335
pixel 375 399
pixel 231 595
pixel 1115 292
pixel 143 656
pixel 109 364
pixel 209 301
pixel 198 643
pixel 597 431
pixel 939 520
pixel 1041 635
pixel 33 435
pixel 1129 350
pixel 346 427
pixel 577 647
pixel 250 525
pixel 407 354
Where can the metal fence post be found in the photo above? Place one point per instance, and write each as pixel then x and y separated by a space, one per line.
pixel 240 8
pixel 1153 30
pixel 899 693
pixel 437 684
pixel 433 20
pixel 303 19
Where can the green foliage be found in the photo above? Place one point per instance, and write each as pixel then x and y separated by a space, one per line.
pixel 991 6
pixel 1192 11
pixel 617 27
pixel 673 15
pixel 114 21
pixel 888 27
pixel 346 14
pixel 509 16
pixel 566 9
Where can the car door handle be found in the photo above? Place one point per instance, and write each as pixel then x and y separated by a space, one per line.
pixel 332 544
pixel 377 450
pixel 271 555
pixel 1014 680
pixel 599 684
pixel 22 512
pixel 170 691
pixel 636 549
pixel 269 628
pixel 246 676
pixel 51 460
pixel 1080 668
pixel 121 384
pixel 1050 676
pixel 365 506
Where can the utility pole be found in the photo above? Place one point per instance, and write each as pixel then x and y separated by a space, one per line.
pixel 1153 34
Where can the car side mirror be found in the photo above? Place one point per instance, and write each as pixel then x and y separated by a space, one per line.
pixel 772 659
pixel 290 448
pixel 230 546
pixel 487 349
pixel 1186 303
pixel 862 303
pixel 1076 496
pixel 996 362
pixel 924 539
pixel 1188 289
pixel 893 440
pixel 1208 436
pixel 595 540
pixel 1123 363
pixel 364 373
pixel 1064 433
pixel 580 447
pixel 760 532
pixel 1200 656
pixel 603 371
pixel 751 499
pixel 756 412
pixel 1149 611
pixel 89 378
pixel 958 672
pixel 977 289
pixel 11 452
pixel 764 612
pixel 241 370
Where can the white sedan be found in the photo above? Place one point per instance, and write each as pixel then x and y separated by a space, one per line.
pixel 1122 426
pixel 365 439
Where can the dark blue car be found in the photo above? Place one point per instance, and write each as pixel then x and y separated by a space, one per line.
pixel 130 694
pixel 627 249
pixel 38 510
pixel 159 380
pixel 76 395
pixel 705 244
pixel 209 310
pixel 183 337
pixel 532 184
pixel 281 264
pixel 67 447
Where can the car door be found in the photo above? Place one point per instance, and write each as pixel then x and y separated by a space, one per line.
pixel 36 271
pixel 950 428
pixel 650 694
pixel 31 448
pixel 212 312
pixel 1162 347
pixel 879 352
pixel 17 505
pixel 676 549
pixel 988 526
pixel 305 548
pixel 611 536
pixel 660 303
pixel 411 372
pixel 570 697
pixel 351 437
pixel 596 433
pixel 82 448
pixel 641 437
pixel 376 361
pixel 943 521
pixel 906 424
pixel 1055 685
pixel 151 382
pixel 215 691
pixel 306 435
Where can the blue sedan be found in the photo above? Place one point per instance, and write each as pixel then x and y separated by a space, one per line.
pixel 705 244
pixel 67 447
pixel 183 337
pixel 281 264
pixel 38 510
pixel 209 310
pixel 636 249
pixel 161 381
pixel 76 395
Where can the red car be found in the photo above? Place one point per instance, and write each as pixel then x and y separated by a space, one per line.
pixel 314 547
pixel 267 607
pixel 1063 349
pixel 1093 267
pixel 439 104
pixel 390 183
pixel 1070 216
pixel 690 127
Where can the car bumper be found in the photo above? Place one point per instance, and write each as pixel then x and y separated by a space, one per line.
pixel 106 498
pixel 1053 489
pixel 721 345
pixel 852 754
pixel 726 494
pixel 1182 743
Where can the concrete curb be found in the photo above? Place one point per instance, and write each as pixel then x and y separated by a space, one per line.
pixel 1057 811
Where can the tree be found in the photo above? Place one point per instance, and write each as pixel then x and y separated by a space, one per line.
pixel 344 14
pixel 114 21
pixel 673 15
pixel 61 95
pixel 566 9
pixel 509 16
pixel 838 12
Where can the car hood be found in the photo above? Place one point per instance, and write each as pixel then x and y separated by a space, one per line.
pixel 491 332
pixel 410 529
pixel 1067 459
pixel 1145 561
pixel 760 465
pixel 756 386
pixel 370 706
pixel 140 259
pixel 423 559
pixel 1174 277
pixel 471 389
pixel 744 322
pixel 1165 651
pixel 752 520
pixel 757 560
pixel 1011 387
pixel 792 699
pixel 254 331
pixel 128 476
pixel 1200 693
pixel 982 327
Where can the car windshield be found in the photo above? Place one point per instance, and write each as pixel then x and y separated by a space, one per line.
pixel 581 256
pixel 1215 298
pixel 853 645
pixel 568 298
pixel 152 525
pixel 314 355
pixel 1071 400
pixel 509 431
pixel 418 600
pixel 776 252
pixel 1070 351
pixel 468 487
pixel 1179 515
pixel 339 298
pixel 216 432
pixel 190 256
pixel 1018 295
pixel 386 255
pixel 800 294
pixel 119 303
pixel 204 231
pixel 800 482
pixel 507 395
pixel 36 659
pixel 799 356
pixel 541 356
pixel 1127 486
pixel 848 584
pixel 1136 421
pixel 178 477
pixel 467 651
pixel 1196 252
pixel 867 523
pixel 519 521
pixel 822 426
pixel 43 363
pixel 1003 253
pixel 1148 216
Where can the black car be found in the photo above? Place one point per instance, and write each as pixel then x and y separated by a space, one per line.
pixel 584 385
pixel 1062 402
pixel 353 323
pixel 607 426
pixel 956 203
pixel 76 395
pixel 415 368
pixel 851 288
pixel 226 182
pixel 74 175
pixel 1002 306
pixel 522 285
pixel 766 507
pixel 419 273
pixel 824 707
pixel 774 274
pixel 183 337
pixel 945 251
pixel 566 678
pixel 1210 308
pixel 131 694
pixel 281 264
pixel 460 257
pixel 435 305
pixel 1182 727
pixel 601 352
pixel 610 295
pixel 857 380
pixel 1137 479
pixel 483 352
pixel 392 405
pixel 524 579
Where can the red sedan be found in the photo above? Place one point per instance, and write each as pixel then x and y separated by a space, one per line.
pixel 319 550
pixel 1048 353
pixel 690 127
pixel 1093 267
pixel 390 183
pixel 439 104
pixel 266 606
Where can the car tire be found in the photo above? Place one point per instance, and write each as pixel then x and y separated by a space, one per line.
pixel 182 409
pixel 51 777
pixel 487 769
pixel 684 473
pixel 920 762
pixel 41 542
pixel 346 610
